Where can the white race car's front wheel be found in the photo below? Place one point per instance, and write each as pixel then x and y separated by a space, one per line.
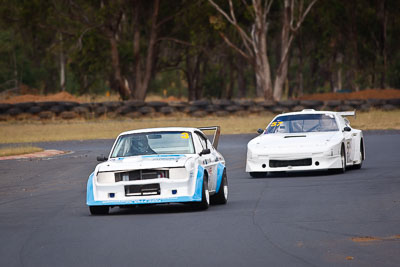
pixel 342 160
pixel 258 174
pixel 358 166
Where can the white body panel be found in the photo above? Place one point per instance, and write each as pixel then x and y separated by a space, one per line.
pixel 309 150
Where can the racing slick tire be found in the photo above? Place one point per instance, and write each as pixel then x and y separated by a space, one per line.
pixel 205 196
pixel 222 196
pixel 343 160
pixel 258 174
pixel 358 166
pixel 99 210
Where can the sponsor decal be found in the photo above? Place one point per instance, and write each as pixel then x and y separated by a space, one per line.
pixel 164 157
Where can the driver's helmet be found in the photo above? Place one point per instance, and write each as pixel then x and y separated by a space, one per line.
pixel 140 143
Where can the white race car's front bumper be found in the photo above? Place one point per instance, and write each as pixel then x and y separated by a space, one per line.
pixel 273 163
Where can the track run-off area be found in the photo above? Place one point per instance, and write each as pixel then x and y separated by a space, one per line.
pixel 299 219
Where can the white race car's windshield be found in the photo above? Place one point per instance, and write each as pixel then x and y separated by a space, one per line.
pixel 302 123
pixel 153 143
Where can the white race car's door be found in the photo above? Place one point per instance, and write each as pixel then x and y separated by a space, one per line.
pixel 349 143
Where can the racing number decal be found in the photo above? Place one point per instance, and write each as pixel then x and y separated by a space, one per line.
pixel 276 123
pixel 184 135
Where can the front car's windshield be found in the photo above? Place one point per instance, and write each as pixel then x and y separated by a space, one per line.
pixel 302 123
pixel 153 143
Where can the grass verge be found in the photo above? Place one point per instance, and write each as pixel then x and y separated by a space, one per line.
pixel 30 132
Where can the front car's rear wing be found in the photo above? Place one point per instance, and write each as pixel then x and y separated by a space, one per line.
pixel 347 113
pixel 217 132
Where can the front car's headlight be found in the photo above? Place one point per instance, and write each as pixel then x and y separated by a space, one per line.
pixel 105 177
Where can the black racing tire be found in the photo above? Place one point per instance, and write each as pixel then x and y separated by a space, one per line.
pixel 99 210
pixel 222 196
pixel 258 174
pixel 343 160
pixel 358 166
pixel 205 196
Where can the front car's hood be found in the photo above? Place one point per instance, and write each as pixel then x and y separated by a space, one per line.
pixel 143 162
pixel 294 143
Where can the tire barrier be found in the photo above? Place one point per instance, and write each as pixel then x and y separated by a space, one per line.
pixel 200 108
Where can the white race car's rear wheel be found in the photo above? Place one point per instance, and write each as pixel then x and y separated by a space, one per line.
pixel 99 210
pixel 258 174
pixel 222 196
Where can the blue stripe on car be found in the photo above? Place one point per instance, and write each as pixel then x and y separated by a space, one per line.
pixel 89 190
pixel 220 171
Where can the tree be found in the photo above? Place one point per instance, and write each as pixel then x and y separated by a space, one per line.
pixel 256 42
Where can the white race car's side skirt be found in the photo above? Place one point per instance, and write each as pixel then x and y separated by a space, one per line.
pixel 317 163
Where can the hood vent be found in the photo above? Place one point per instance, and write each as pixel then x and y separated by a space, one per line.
pixel 294 136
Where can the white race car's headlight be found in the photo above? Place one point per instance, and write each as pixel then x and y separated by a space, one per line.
pixel 250 154
pixel 330 152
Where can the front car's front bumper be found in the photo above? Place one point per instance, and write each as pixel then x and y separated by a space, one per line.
pixel 187 189
pixel 313 161
pixel 182 190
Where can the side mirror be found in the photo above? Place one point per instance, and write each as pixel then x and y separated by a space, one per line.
pixel 260 131
pixel 205 152
pixel 347 129
pixel 102 158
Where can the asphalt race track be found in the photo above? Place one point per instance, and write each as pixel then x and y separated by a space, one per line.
pixel 313 219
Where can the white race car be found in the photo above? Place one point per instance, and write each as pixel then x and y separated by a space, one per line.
pixel 306 140
pixel 159 165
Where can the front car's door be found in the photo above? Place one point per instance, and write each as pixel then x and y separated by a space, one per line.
pixel 208 160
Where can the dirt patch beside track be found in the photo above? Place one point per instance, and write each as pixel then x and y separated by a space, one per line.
pixel 42 154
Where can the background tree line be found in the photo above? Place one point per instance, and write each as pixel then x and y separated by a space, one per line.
pixel 200 48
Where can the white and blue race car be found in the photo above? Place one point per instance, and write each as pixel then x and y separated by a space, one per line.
pixel 159 165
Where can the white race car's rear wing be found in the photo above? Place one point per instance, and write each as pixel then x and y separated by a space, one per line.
pixel 217 132
pixel 347 113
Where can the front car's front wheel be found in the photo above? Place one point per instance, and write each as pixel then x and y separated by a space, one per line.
pixel 99 210
pixel 205 196
pixel 222 196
